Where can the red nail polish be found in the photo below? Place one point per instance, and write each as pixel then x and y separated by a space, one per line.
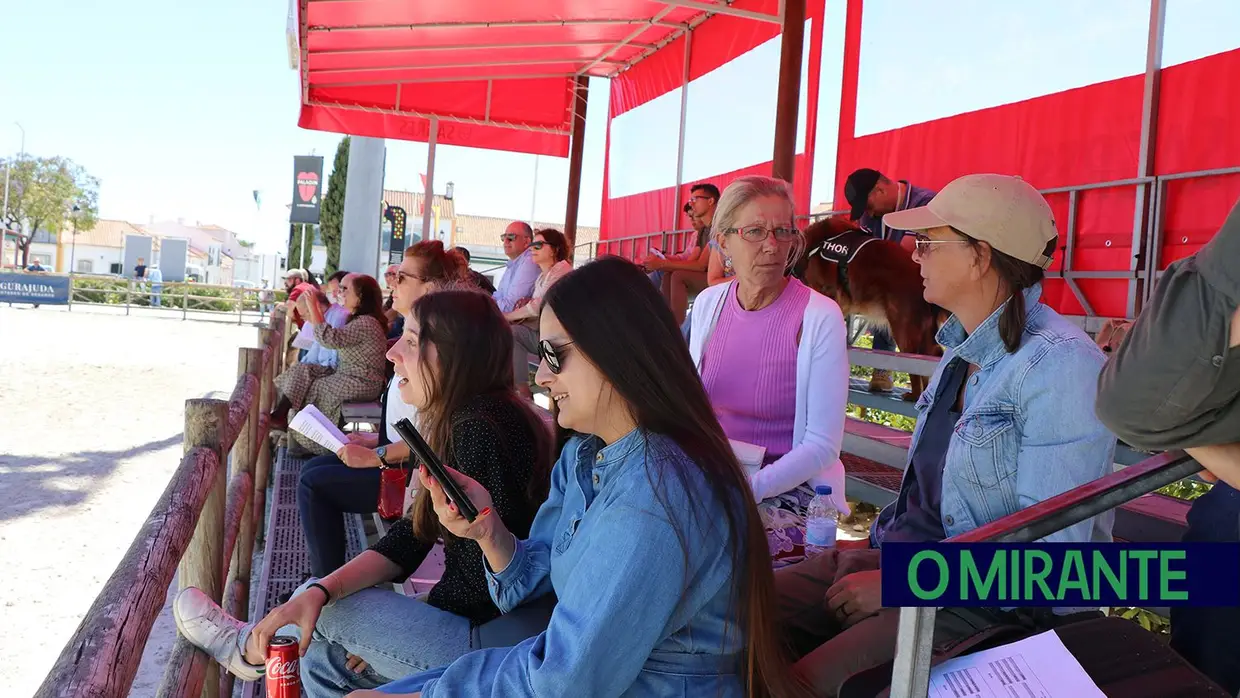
pixel 485 511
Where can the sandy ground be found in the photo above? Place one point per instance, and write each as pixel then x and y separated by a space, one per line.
pixel 91 420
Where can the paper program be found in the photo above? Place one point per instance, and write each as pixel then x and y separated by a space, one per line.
pixel 1036 667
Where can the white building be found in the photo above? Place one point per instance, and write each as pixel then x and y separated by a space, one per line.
pixel 99 250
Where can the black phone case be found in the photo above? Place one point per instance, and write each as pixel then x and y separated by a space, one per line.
pixel 422 451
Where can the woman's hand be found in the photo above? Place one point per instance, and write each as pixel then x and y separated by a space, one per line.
pixel 654 263
pixel 355 663
pixel 364 439
pixel 356 456
pixel 856 596
pixel 302 610
pixel 449 516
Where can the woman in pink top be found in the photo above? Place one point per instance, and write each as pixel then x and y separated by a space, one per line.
pixel 773 356
pixel 550 252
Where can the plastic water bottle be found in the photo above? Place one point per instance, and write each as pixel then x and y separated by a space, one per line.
pixel 821 522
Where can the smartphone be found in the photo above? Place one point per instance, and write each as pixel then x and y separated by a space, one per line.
pixel 422 451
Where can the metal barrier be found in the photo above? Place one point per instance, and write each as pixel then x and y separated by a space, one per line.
pixel 216 300
pixel 204 526
pixel 911 670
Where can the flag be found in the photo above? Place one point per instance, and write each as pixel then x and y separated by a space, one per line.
pixel 258 199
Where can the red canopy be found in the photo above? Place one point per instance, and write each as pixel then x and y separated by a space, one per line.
pixel 498 74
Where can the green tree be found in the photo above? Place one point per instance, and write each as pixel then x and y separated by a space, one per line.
pixel 49 194
pixel 331 216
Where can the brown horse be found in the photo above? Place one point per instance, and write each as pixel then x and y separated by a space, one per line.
pixel 874 279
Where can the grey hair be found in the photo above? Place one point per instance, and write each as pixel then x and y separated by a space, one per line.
pixel 745 189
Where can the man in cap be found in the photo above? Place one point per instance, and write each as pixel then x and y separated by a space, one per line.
pixel 1174 383
pixel 872 195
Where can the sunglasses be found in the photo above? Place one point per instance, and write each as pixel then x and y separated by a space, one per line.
pixel 552 354
pixel 509 237
pixel 539 244
pixel 401 276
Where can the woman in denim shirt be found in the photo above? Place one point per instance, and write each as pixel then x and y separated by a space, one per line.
pixel 649 538
pixel 1007 421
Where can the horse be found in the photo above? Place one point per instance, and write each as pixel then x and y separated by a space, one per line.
pixel 875 279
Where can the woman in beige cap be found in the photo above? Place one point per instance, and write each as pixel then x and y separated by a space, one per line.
pixel 1006 421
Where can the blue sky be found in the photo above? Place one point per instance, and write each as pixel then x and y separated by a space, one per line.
pixel 183 109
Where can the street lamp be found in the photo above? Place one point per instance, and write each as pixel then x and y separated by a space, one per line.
pixel 73 247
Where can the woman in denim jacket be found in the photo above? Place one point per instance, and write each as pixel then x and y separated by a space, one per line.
pixel 1007 421
pixel 649 539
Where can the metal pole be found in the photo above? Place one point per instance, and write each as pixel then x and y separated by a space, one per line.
pixel 581 93
pixel 302 251
pixel 788 97
pixel 534 191
pixel 428 197
pixel 1145 156
pixel 680 139
pixel 910 674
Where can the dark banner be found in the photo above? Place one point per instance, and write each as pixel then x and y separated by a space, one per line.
pixel 396 246
pixel 40 289
pixel 307 189
pixel 1061 574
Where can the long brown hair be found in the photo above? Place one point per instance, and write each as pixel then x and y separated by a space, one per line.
pixel 618 320
pixel 1014 276
pixel 557 241
pixel 474 343
pixel 439 264
pixel 369 299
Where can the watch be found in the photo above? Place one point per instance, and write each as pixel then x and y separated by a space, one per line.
pixel 381 452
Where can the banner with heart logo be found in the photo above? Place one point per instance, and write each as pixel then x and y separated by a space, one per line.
pixel 307 189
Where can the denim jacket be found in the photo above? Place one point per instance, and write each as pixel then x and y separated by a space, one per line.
pixel 640 612
pixel 1028 430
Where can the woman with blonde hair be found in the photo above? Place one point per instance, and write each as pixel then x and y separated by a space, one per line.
pixel 773 356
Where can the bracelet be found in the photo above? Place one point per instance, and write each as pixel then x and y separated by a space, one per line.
pixel 322 588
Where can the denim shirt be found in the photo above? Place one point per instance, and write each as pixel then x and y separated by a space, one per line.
pixel 641 611
pixel 1028 430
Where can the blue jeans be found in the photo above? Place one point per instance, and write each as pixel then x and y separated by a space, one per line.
pixel 1206 636
pixel 326 491
pixel 883 340
pixel 396 635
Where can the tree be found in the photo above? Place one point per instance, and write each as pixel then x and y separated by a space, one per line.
pixel 44 193
pixel 331 216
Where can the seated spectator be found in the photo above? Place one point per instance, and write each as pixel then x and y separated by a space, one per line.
pixel 477 278
pixel 871 195
pixel 455 369
pixel 550 253
pixel 359 374
pixel 774 359
pixel 653 552
pixel 680 275
pixel 1174 383
pixel 719 269
pixel 389 282
pixel 520 273
pixel 335 313
pixel 1006 421
pixel 348 481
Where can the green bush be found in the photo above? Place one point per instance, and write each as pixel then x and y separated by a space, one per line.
pixel 112 291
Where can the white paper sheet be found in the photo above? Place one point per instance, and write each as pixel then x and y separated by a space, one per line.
pixel 1036 667
pixel 305 337
pixel 750 455
pixel 314 425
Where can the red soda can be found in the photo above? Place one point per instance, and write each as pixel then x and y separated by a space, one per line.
pixel 283 658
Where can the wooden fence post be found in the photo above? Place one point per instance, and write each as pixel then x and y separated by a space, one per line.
pixel 206 425
pixel 245 452
pixel 268 339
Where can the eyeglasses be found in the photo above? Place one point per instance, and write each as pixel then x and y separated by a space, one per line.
pixel 401 276
pixel 509 237
pixel 925 244
pixel 388 274
pixel 552 354
pixel 757 233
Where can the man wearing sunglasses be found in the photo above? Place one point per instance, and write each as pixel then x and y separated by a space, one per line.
pixel 520 272
pixel 872 195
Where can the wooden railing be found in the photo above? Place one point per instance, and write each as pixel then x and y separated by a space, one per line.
pixel 204 528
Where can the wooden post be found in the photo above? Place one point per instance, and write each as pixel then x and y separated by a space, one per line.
pixel 787 98
pixel 245 452
pixel 271 340
pixel 206 424
pixel 576 154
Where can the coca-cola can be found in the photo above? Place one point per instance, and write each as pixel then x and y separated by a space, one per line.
pixel 283 658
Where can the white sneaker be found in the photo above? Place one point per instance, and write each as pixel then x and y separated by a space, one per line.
pixel 201 621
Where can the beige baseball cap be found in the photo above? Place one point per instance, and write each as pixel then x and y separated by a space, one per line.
pixel 1002 210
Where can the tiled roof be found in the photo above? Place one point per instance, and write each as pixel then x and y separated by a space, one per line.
pixel 412 203
pixel 485 230
pixel 107 233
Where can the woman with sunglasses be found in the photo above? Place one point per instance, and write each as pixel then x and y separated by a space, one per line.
pixel 454 363
pixel 773 355
pixel 649 540
pixel 550 252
